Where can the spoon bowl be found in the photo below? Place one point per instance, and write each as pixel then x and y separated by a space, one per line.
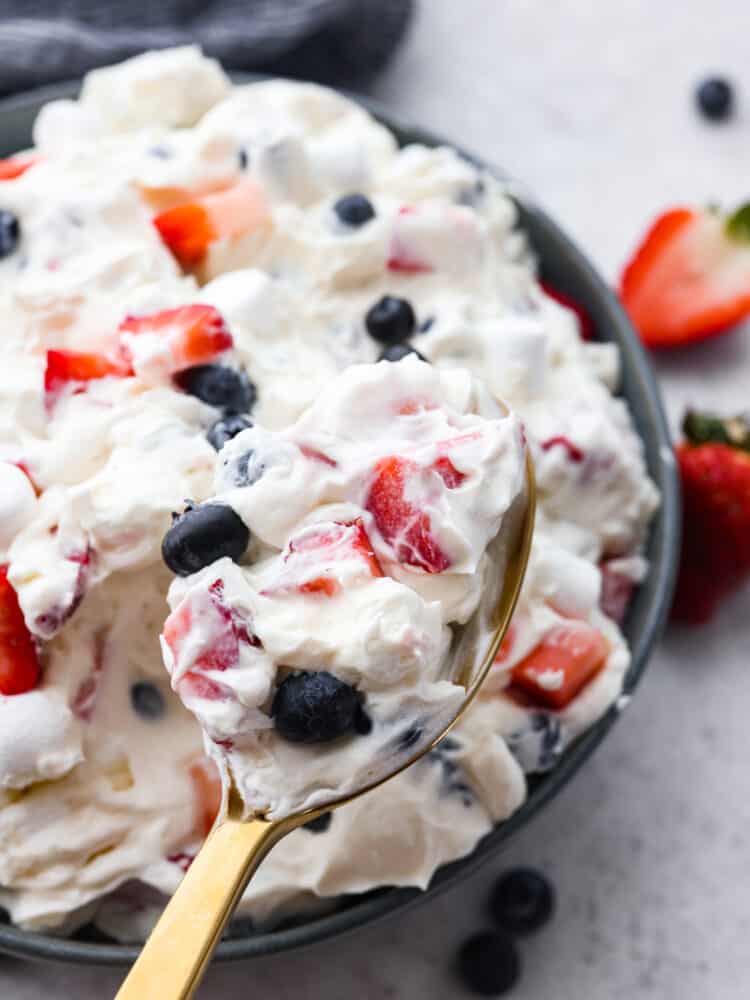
pixel 179 949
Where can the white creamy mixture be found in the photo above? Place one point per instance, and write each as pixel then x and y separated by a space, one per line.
pixel 105 791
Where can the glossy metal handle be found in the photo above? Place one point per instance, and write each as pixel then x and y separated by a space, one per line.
pixel 176 954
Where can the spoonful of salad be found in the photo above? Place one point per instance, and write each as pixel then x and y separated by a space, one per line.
pixel 336 606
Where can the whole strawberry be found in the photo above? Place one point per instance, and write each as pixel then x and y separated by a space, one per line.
pixel 714 465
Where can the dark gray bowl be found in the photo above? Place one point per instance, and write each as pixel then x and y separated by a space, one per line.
pixel 566 268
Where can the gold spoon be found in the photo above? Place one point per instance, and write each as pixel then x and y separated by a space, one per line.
pixel 176 955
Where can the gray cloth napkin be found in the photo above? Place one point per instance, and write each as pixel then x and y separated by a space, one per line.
pixel 332 41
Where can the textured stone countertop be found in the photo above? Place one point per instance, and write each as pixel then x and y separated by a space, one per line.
pixel 590 105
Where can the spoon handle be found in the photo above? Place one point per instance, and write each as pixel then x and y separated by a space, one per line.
pixel 176 954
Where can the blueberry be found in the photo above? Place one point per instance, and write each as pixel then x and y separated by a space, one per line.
pixel 10 232
pixel 489 963
pixel 218 385
pixel 715 98
pixel 320 824
pixel 390 320
pixel 147 700
pixel 398 351
pixel 522 901
pixel 226 428
pixel 202 535
pixel 354 209
pixel 314 707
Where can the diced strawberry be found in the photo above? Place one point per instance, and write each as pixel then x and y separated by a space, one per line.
pixel 585 322
pixel 566 659
pixel 19 663
pixel 574 452
pixel 690 277
pixel 402 525
pixel 194 335
pixel 84 700
pixel 196 685
pixel 317 456
pixel 449 473
pixel 326 544
pixel 190 228
pixel 506 646
pixel 206 780
pixel 66 368
pixel 14 166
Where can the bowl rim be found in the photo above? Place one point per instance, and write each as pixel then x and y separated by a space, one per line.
pixel 663 551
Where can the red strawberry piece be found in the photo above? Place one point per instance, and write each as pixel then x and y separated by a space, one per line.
pixel 617 590
pixel 52 620
pixel 189 229
pixel 585 322
pixel 19 663
pixel 65 368
pixel 14 166
pixel 195 334
pixel 714 466
pixel 403 525
pixel 567 658
pixel 690 277
pixel 574 452
pixel 84 700
pixel 449 473
pixel 206 780
pixel 327 543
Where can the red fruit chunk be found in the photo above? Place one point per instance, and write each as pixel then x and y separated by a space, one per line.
pixel 403 525
pixel 576 651
pixel 449 473
pixel 574 452
pixel 206 780
pixel 72 367
pixel 19 663
pixel 195 334
pixel 690 277
pixel 327 543
pixel 189 229
pixel 716 527
pixel 585 322
pixel 15 166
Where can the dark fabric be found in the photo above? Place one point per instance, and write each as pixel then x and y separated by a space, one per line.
pixel 332 41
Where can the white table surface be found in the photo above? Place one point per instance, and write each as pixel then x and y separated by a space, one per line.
pixel 590 104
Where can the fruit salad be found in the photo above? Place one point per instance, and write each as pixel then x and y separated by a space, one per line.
pixel 195 277
pixel 316 661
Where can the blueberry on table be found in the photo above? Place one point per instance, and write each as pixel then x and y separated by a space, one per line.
pixel 398 351
pixel 147 700
pixel 320 824
pixel 715 98
pixel 522 901
pixel 226 428
pixel 203 534
pixel 489 963
pixel 10 232
pixel 390 320
pixel 354 209
pixel 226 388
pixel 314 707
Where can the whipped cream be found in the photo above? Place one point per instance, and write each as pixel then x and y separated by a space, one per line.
pixel 105 787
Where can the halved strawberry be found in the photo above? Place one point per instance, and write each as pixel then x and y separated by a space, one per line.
pixel 14 166
pixel 190 228
pixel 690 277
pixel 19 663
pixel 72 367
pixel 585 322
pixel 206 780
pixel 192 335
pixel 403 525
pixel 566 659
